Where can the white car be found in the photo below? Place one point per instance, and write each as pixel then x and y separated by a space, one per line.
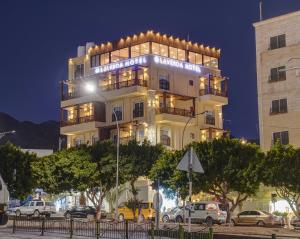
pixel 35 208
pixel 205 211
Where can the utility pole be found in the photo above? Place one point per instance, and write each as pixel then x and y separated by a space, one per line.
pixel 260 11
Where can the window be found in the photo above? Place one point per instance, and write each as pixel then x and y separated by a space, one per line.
pixel 159 49
pixel 138 110
pixel 195 58
pixel 191 82
pixel 254 213
pixel 210 61
pixel 164 83
pixel 277 42
pixel 79 71
pixel 95 60
pixel 164 137
pixel 104 58
pixel 277 74
pixel 281 137
pixel 140 135
pixel 119 112
pixel 39 204
pixel 192 136
pixel 119 55
pixel 31 204
pixel 245 213
pixel 211 206
pixel 279 106
pixel 141 49
pixel 176 53
pixel 210 118
pixel 199 207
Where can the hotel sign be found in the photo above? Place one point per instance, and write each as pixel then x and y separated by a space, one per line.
pixel 178 64
pixel 140 60
pixel 121 64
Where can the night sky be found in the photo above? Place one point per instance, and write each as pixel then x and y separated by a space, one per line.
pixel 38 36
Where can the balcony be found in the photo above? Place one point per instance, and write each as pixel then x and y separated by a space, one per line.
pixel 70 95
pixel 124 84
pixel 214 96
pixel 78 120
pixel 175 111
pixel 212 91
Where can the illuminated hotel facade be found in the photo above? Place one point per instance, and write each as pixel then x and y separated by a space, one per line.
pixel 153 82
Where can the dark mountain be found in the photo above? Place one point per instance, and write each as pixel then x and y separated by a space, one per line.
pixel 30 135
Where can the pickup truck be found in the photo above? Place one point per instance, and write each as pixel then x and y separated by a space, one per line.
pixel 35 208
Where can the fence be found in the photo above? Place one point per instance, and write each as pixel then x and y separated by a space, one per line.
pixel 104 229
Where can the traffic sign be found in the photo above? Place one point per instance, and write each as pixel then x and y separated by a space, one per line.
pixel 192 161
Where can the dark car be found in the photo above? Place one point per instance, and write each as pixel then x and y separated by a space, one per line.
pixel 295 222
pixel 80 212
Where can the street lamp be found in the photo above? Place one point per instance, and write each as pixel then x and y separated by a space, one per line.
pixel 190 118
pixel 91 88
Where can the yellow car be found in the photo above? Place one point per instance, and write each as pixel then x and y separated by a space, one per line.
pixel 146 212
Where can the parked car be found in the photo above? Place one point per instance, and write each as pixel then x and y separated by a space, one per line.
pixel 209 212
pixel 147 212
pixel 35 208
pixel 83 212
pixel 170 216
pixel 258 218
pixel 295 222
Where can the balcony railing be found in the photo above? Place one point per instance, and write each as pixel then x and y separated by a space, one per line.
pixel 212 91
pixel 175 111
pixel 70 95
pixel 124 84
pixel 79 120
pixel 211 120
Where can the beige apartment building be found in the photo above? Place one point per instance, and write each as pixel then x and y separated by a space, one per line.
pixel 278 79
pixel 151 84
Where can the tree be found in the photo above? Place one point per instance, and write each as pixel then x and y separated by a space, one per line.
pixel 232 171
pixel 136 161
pixel 282 171
pixel 16 171
pixel 171 180
pixel 89 169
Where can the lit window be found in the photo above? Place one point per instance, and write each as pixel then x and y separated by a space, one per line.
pixel 104 58
pixel 79 71
pixel 210 61
pixel 173 52
pixel 181 54
pixel 119 55
pixel 163 50
pixel 195 58
pixel 141 49
pixel 155 48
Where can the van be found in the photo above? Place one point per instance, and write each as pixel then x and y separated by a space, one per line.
pixel 209 212
pixel 146 209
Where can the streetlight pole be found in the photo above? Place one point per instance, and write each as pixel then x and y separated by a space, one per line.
pixel 91 88
pixel 190 118
pixel 189 172
pixel 7 132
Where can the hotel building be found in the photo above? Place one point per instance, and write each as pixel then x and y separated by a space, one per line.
pixel 152 84
pixel 278 75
